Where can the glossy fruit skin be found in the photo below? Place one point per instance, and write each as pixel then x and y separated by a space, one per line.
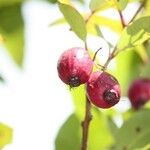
pixel 103 90
pixel 139 92
pixel 75 66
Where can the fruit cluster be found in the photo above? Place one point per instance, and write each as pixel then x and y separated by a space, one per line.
pixel 75 68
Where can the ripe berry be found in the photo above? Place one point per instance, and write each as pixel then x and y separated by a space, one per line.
pixel 139 92
pixel 75 66
pixel 103 89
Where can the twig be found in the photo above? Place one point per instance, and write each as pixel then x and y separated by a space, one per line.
pixel 85 125
pixel 122 18
pixel 137 12
pixel 111 56
pixel 94 57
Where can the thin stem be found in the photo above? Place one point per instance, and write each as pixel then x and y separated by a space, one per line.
pixel 122 18
pixel 137 12
pixel 94 57
pixel 111 56
pixel 85 125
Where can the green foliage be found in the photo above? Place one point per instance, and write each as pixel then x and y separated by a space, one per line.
pixel 5 135
pixel 135 132
pixel 11 27
pixel 96 4
pixel 122 4
pixel 68 137
pixel 52 1
pixel 75 20
pixel 125 61
pixel 135 34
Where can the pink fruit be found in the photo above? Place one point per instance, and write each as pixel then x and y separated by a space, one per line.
pixel 75 66
pixel 139 92
pixel 103 89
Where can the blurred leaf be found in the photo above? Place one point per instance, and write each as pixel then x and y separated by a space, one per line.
pixel 99 136
pixel 147 147
pixel 135 34
pixel 79 98
pixel 122 4
pixel 128 67
pixel 68 137
pixel 107 22
pixel 75 20
pixel 96 4
pixel 147 7
pixel 135 132
pixel 141 50
pixel 112 127
pixel 11 27
pixel 5 135
pixel 2 79
pixel 52 1
pixel 4 3
pixel 58 22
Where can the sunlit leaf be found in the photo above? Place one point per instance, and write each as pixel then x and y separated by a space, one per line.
pixel 135 132
pixel 58 22
pixel 11 28
pixel 135 34
pixel 107 22
pixel 99 133
pixel 68 137
pixel 75 20
pixel 5 135
pixel 96 4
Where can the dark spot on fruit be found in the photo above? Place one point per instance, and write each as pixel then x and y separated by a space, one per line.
pixel 110 96
pixel 74 81
pixel 138 129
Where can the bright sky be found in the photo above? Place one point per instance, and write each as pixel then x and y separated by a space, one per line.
pixel 34 102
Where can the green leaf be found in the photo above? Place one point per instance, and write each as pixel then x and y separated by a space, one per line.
pixel 99 133
pixel 112 127
pixel 75 20
pixel 11 27
pixel 5 135
pixel 135 132
pixel 114 25
pixel 68 137
pixel 58 22
pixel 147 147
pixel 122 4
pixel 52 1
pixel 135 34
pixel 4 3
pixel 96 4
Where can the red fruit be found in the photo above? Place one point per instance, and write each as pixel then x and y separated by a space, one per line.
pixel 75 66
pixel 103 89
pixel 139 92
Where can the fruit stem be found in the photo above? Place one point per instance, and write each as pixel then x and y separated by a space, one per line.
pixel 85 124
pixel 94 57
